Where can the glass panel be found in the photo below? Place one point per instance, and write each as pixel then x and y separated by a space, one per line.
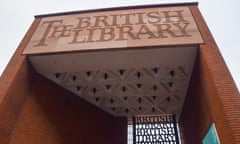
pixel 211 136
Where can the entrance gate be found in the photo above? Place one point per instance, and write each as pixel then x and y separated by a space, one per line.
pixel 155 129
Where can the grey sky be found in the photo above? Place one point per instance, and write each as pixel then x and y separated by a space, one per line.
pixel 222 18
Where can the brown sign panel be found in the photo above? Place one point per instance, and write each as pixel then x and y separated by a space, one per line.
pixel 115 29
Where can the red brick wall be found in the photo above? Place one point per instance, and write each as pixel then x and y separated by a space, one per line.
pixel 196 117
pixel 15 85
pixel 54 115
pixel 214 98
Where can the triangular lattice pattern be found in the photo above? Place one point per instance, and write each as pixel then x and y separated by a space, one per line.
pixel 124 82
pixel 127 92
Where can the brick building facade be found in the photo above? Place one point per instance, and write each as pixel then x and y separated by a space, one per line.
pixel 33 109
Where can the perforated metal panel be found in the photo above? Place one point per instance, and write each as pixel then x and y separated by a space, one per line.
pixel 155 129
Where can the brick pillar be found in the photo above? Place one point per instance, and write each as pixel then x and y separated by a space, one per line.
pixel 15 86
pixel 215 93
